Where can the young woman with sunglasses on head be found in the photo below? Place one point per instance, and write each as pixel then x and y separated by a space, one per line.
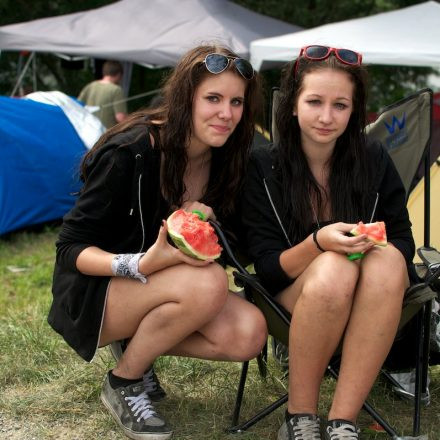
pixel 301 199
pixel 116 276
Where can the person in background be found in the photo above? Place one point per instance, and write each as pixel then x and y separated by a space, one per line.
pixel 106 93
pixel 116 276
pixel 300 201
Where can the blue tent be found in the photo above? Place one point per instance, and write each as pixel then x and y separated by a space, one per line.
pixel 40 152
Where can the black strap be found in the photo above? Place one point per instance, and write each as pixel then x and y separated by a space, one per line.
pixel 315 239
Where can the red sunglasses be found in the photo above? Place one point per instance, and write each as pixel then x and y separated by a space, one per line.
pixel 319 53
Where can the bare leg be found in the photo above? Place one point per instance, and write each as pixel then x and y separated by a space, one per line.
pixel 237 333
pixel 177 304
pixel 320 301
pixel 157 315
pixel 371 329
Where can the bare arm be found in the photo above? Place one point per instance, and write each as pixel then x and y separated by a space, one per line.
pixel 331 238
pixel 95 261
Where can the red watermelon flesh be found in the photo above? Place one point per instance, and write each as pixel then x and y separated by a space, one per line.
pixel 376 232
pixel 193 236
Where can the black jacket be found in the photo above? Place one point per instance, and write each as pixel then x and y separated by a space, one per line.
pixel 120 209
pixel 262 212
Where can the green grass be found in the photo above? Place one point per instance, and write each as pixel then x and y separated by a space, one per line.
pixel 48 392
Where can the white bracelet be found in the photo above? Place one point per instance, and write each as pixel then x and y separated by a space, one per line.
pixel 127 265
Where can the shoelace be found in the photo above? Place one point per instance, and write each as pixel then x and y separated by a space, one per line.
pixel 343 432
pixel 141 404
pixel 149 381
pixel 306 430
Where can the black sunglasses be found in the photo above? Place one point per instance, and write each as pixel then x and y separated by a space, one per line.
pixel 218 63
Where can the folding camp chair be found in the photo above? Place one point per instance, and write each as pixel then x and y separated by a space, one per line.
pixel 404 128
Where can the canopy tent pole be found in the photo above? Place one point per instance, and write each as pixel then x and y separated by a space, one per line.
pixel 23 72
pixel 34 73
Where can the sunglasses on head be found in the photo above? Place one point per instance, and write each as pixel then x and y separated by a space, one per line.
pixel 217 63
pixel 319 53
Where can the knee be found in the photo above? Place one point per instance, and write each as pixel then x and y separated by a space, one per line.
pixel 384 272
pixel 208 289
pixel 244 338
pixel 252 335
pixel 334 284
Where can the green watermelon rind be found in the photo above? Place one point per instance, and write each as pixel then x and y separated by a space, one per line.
pixel 377 243
pixel 185 247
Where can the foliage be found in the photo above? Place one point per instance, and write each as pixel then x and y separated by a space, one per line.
pixel 15 11
pixel 311 13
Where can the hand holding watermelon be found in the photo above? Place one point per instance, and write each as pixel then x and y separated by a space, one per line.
pixel 336 237
pixel 193 236
pixel 162 255
pixel 375 233
pixel 204 212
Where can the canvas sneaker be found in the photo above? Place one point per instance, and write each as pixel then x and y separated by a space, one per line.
pixel 341 430
pixel 151 381
pixel 131 407
pixel 300 427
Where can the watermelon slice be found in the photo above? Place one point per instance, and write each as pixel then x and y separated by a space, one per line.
pixel 193 236
pixel 375 232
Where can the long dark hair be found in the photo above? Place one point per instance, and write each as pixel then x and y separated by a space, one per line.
pixel 173 119
pixel 348 173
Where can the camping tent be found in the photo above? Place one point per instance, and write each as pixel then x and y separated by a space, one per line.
pixel 40 152
pixel 408 36
pixel 156 32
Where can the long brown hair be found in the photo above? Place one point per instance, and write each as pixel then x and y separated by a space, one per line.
pixel 173 118
pixel 348 171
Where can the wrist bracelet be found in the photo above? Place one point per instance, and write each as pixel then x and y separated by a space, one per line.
pixel 315 239
pixel 127 265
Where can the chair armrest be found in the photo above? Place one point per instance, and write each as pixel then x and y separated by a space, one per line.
pixel 431 260
pixel 429 255
pixel 227 247
pixel 418 294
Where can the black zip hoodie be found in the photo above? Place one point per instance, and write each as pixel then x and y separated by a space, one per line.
pixel 119 209
pixel 262 212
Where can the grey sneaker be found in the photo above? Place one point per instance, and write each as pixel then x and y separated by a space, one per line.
pixel 300 427
pixel 151 381
pixel 134 413
pixel 341 430
pixel 153 387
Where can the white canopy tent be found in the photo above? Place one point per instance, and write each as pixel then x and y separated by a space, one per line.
pixel 407 37
pixel 153 32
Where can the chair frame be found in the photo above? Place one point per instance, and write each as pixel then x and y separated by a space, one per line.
pixel 255 292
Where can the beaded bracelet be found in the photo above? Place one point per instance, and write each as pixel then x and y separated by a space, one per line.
pixel 127 265
pixel 315 239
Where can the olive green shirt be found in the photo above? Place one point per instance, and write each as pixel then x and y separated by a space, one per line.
pixel 108 96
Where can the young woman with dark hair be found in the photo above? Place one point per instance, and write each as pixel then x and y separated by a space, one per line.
pixel 301 199
pixel 116 276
